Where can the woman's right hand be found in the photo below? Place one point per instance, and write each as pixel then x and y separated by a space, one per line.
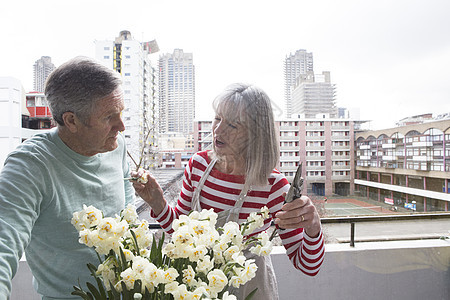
pixel 149 190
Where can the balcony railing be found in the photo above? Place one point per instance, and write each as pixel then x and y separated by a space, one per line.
pixel 404 266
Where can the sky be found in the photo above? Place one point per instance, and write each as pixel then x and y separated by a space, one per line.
pixel 388 58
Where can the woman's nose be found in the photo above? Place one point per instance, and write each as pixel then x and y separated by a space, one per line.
pixel 219 128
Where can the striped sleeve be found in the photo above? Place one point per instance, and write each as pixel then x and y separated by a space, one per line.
pixel 169 214
pixel 304 252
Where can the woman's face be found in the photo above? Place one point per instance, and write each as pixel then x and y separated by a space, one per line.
pixel 229 138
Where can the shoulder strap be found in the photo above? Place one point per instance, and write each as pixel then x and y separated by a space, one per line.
pixel 195 201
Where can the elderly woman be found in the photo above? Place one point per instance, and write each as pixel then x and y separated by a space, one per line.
pixel 238 177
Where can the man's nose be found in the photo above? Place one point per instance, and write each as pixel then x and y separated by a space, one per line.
pixel 120 125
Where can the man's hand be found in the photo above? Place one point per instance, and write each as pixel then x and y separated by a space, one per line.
pixel 300 213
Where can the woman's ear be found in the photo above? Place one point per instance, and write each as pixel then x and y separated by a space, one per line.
pixel 71 121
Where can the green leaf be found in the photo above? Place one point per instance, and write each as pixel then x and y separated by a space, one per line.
pixel 80 293
pixel 101 288
pixel 137 286
pixel 136 246
pixel 95 292
pixel 115 294
pixel 250 296
pixel 122 261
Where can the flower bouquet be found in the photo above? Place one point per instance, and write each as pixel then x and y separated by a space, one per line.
pixel 199 261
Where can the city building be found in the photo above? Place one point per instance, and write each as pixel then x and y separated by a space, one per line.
pixel 39 115
pixel 419 119
pixel 325 147
pixel 295 64
pixel 12 96
pixel 42 68
pixel 130 58
pixel 313 95
pixel 176 92
pixel 406 166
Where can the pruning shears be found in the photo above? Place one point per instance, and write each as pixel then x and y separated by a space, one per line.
pixel 295 191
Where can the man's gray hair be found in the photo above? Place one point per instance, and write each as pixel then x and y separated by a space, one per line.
pixel 77 85
pixel 251 107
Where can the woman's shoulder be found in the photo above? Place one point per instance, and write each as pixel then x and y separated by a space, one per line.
pixel 200 160
pixel 277 177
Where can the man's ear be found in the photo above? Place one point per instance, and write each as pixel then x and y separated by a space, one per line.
pixel 71 121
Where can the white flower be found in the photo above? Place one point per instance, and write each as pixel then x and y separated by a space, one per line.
pixel 128 255
pixel 255 220
pixel 129 214
pixel 236 281
pixel 139 265
pixel 86 218
pixel 129 277
pixel 180 292
pixel 239 258
pixel 85 238
pixel 103 247
pixel 143 179
pixel 142 234
pixel 152 277
pixel 227 296
pixel 205 265
pixel 249 270
pixel 181 221
pixel 264 247
pixel 169 275
pixel 171 287
pixel 189 276
pixel 230 252
pixel 195 237
pixel 108 275
pixel 198 253
pixel 265 212
pixel 217 280
pixel 144 252
pixel 182 237
pixel 232 233
pixel 107 228
pixel 210 215
pixel 199 292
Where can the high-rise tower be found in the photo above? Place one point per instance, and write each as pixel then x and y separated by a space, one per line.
pixel 42 68
pixel 313 95
pixel 176 92
pixel 294 65
pixel 130 58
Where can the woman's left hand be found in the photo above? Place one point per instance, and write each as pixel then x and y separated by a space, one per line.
pixel 300 213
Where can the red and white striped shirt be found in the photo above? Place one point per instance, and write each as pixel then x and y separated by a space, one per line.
pixel 221 191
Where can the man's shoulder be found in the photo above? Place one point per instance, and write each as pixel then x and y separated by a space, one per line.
pixel 41 142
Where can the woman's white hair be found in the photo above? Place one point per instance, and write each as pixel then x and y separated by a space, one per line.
pixel 251 107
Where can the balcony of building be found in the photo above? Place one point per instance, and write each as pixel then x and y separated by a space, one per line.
pixel 397 257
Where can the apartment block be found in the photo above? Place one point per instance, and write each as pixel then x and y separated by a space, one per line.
pixel 295 64
pixel 323 146
pixel 314 94
pixel 176 92
pixel 130 58
pixel 12 96
pixel 39 115
pixel 42 69
pixel 407 166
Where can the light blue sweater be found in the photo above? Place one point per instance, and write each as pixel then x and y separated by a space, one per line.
pixel 41 184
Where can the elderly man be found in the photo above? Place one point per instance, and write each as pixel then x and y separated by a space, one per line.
pixel 50 176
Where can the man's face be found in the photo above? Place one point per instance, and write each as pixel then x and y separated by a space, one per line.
pixel 100 133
